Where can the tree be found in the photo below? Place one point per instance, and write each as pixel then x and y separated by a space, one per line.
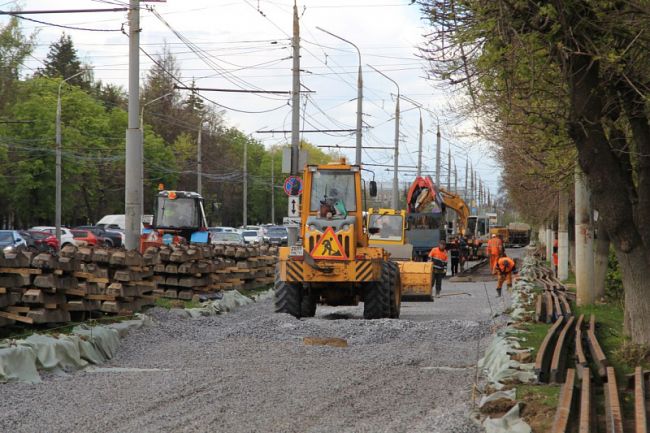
pixel 577 68
pixel 14 48
pixel 62 62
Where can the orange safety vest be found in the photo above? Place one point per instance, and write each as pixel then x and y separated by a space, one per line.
pixel 505 265
pixel 494 246
pixel 437 253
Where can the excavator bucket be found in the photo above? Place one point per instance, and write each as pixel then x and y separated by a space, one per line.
pixel 417 280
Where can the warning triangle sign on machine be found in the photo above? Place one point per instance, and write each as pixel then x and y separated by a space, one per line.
pixel 328 247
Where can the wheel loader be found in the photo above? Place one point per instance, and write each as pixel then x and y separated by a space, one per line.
pixel 333 263
pixel 416 276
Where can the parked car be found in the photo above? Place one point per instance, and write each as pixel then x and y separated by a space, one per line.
pixel 119 221
pixel 11 239
pixel 66 235
pixel 276 235
pixel 226 238
pixel 106 237
pixel 85 237
pixel 42 242
pixel 251 236
pixel 223 229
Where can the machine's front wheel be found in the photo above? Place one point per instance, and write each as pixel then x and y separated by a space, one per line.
pixel 288 296
pixel 377 296
pixel 395 290
pixel 308 304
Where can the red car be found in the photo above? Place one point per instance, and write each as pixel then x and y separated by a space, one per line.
pixel 85 237
pixel 40 241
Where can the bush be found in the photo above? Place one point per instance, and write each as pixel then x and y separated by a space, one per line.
pixel 613 284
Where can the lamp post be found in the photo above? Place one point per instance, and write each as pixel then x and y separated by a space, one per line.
pixel 359 98
pixel 142 132
pixel 57 175
pixel 395 203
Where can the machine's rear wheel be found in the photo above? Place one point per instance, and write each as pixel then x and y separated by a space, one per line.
pixel 288 296
pixel 395 290
pixel 377 296
pixel 308 304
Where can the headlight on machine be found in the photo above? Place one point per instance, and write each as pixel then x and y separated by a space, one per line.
pixel 312 228
pixel 8 249
pixel 345 227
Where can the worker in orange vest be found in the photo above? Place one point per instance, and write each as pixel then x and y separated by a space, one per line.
pixel 438 255
pixel 505 267
pixel 494 250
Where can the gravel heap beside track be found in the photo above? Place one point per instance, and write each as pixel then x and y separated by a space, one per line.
pixel 249 371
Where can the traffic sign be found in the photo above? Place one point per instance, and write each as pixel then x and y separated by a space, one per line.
pixel 294 207
pixel 328 247
pixel 293 186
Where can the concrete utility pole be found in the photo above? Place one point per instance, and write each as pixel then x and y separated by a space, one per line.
pixel 272 188
pixel 455 179
pixel 563 236
pixel 58 168
pixel 419 173
pixel 549 244
pixel 466 195
pixel 292 229
pixel 359 132
pixel 471 188
pixel 395 196
pixel 438 156
pixel 245 195
pixel 133 188
pixel 199 161
pixel 449 170
pixel 584 243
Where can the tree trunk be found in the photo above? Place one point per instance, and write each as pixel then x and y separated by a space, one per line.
pixel 601 258
pixel 634 270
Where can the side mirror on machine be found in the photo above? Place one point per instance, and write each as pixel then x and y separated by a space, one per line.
pixel 373 188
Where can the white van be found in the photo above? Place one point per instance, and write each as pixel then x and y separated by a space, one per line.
pixel 119 221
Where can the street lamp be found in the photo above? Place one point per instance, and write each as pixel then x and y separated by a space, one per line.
pixel 359 97
pixel 396 161
pixel 57 175
pixel 142 132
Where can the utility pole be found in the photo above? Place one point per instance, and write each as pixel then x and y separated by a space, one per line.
pixel 199 161
pixel 449 170
pixel 466 195
pixel 245 198
pixel 438 157
pixel 272 188
pixel 359 130
pixel 292 229
pixel 563 236
pixel 420 148
pixel 584 243
pixel 133 187
pixel 395 196
pixel 455 179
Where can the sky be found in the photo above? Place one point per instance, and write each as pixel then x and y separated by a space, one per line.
pixel 245 44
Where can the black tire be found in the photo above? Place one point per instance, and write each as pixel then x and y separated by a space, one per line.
pixel 377 296
pixel 108 243
pixel 288 296
pixel 395 290
pixel 308 304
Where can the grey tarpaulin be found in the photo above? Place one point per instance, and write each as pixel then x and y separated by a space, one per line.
pixel 231 301
pixel 21 359
pixel 508 423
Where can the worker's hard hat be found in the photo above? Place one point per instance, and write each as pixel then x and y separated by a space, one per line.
pixel 493 235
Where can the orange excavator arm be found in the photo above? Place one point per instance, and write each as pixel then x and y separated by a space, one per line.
pixel 456 203
pixel 421 193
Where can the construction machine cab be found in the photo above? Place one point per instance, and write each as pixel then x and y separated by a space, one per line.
pixel 178 217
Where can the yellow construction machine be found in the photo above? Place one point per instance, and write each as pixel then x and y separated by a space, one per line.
pixel 416 277
pixel 333 263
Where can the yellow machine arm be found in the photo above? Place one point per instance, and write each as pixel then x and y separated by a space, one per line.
pixel 454 201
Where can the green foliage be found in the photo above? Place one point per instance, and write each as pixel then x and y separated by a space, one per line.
pixel 613 283
pixel 62 62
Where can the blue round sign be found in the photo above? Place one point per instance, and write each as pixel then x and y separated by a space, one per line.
pixel 293 186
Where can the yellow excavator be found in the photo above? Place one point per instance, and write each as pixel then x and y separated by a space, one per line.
pixel 333 263
pixel 416 277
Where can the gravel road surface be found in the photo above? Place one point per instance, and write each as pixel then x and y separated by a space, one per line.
pixel 249 371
